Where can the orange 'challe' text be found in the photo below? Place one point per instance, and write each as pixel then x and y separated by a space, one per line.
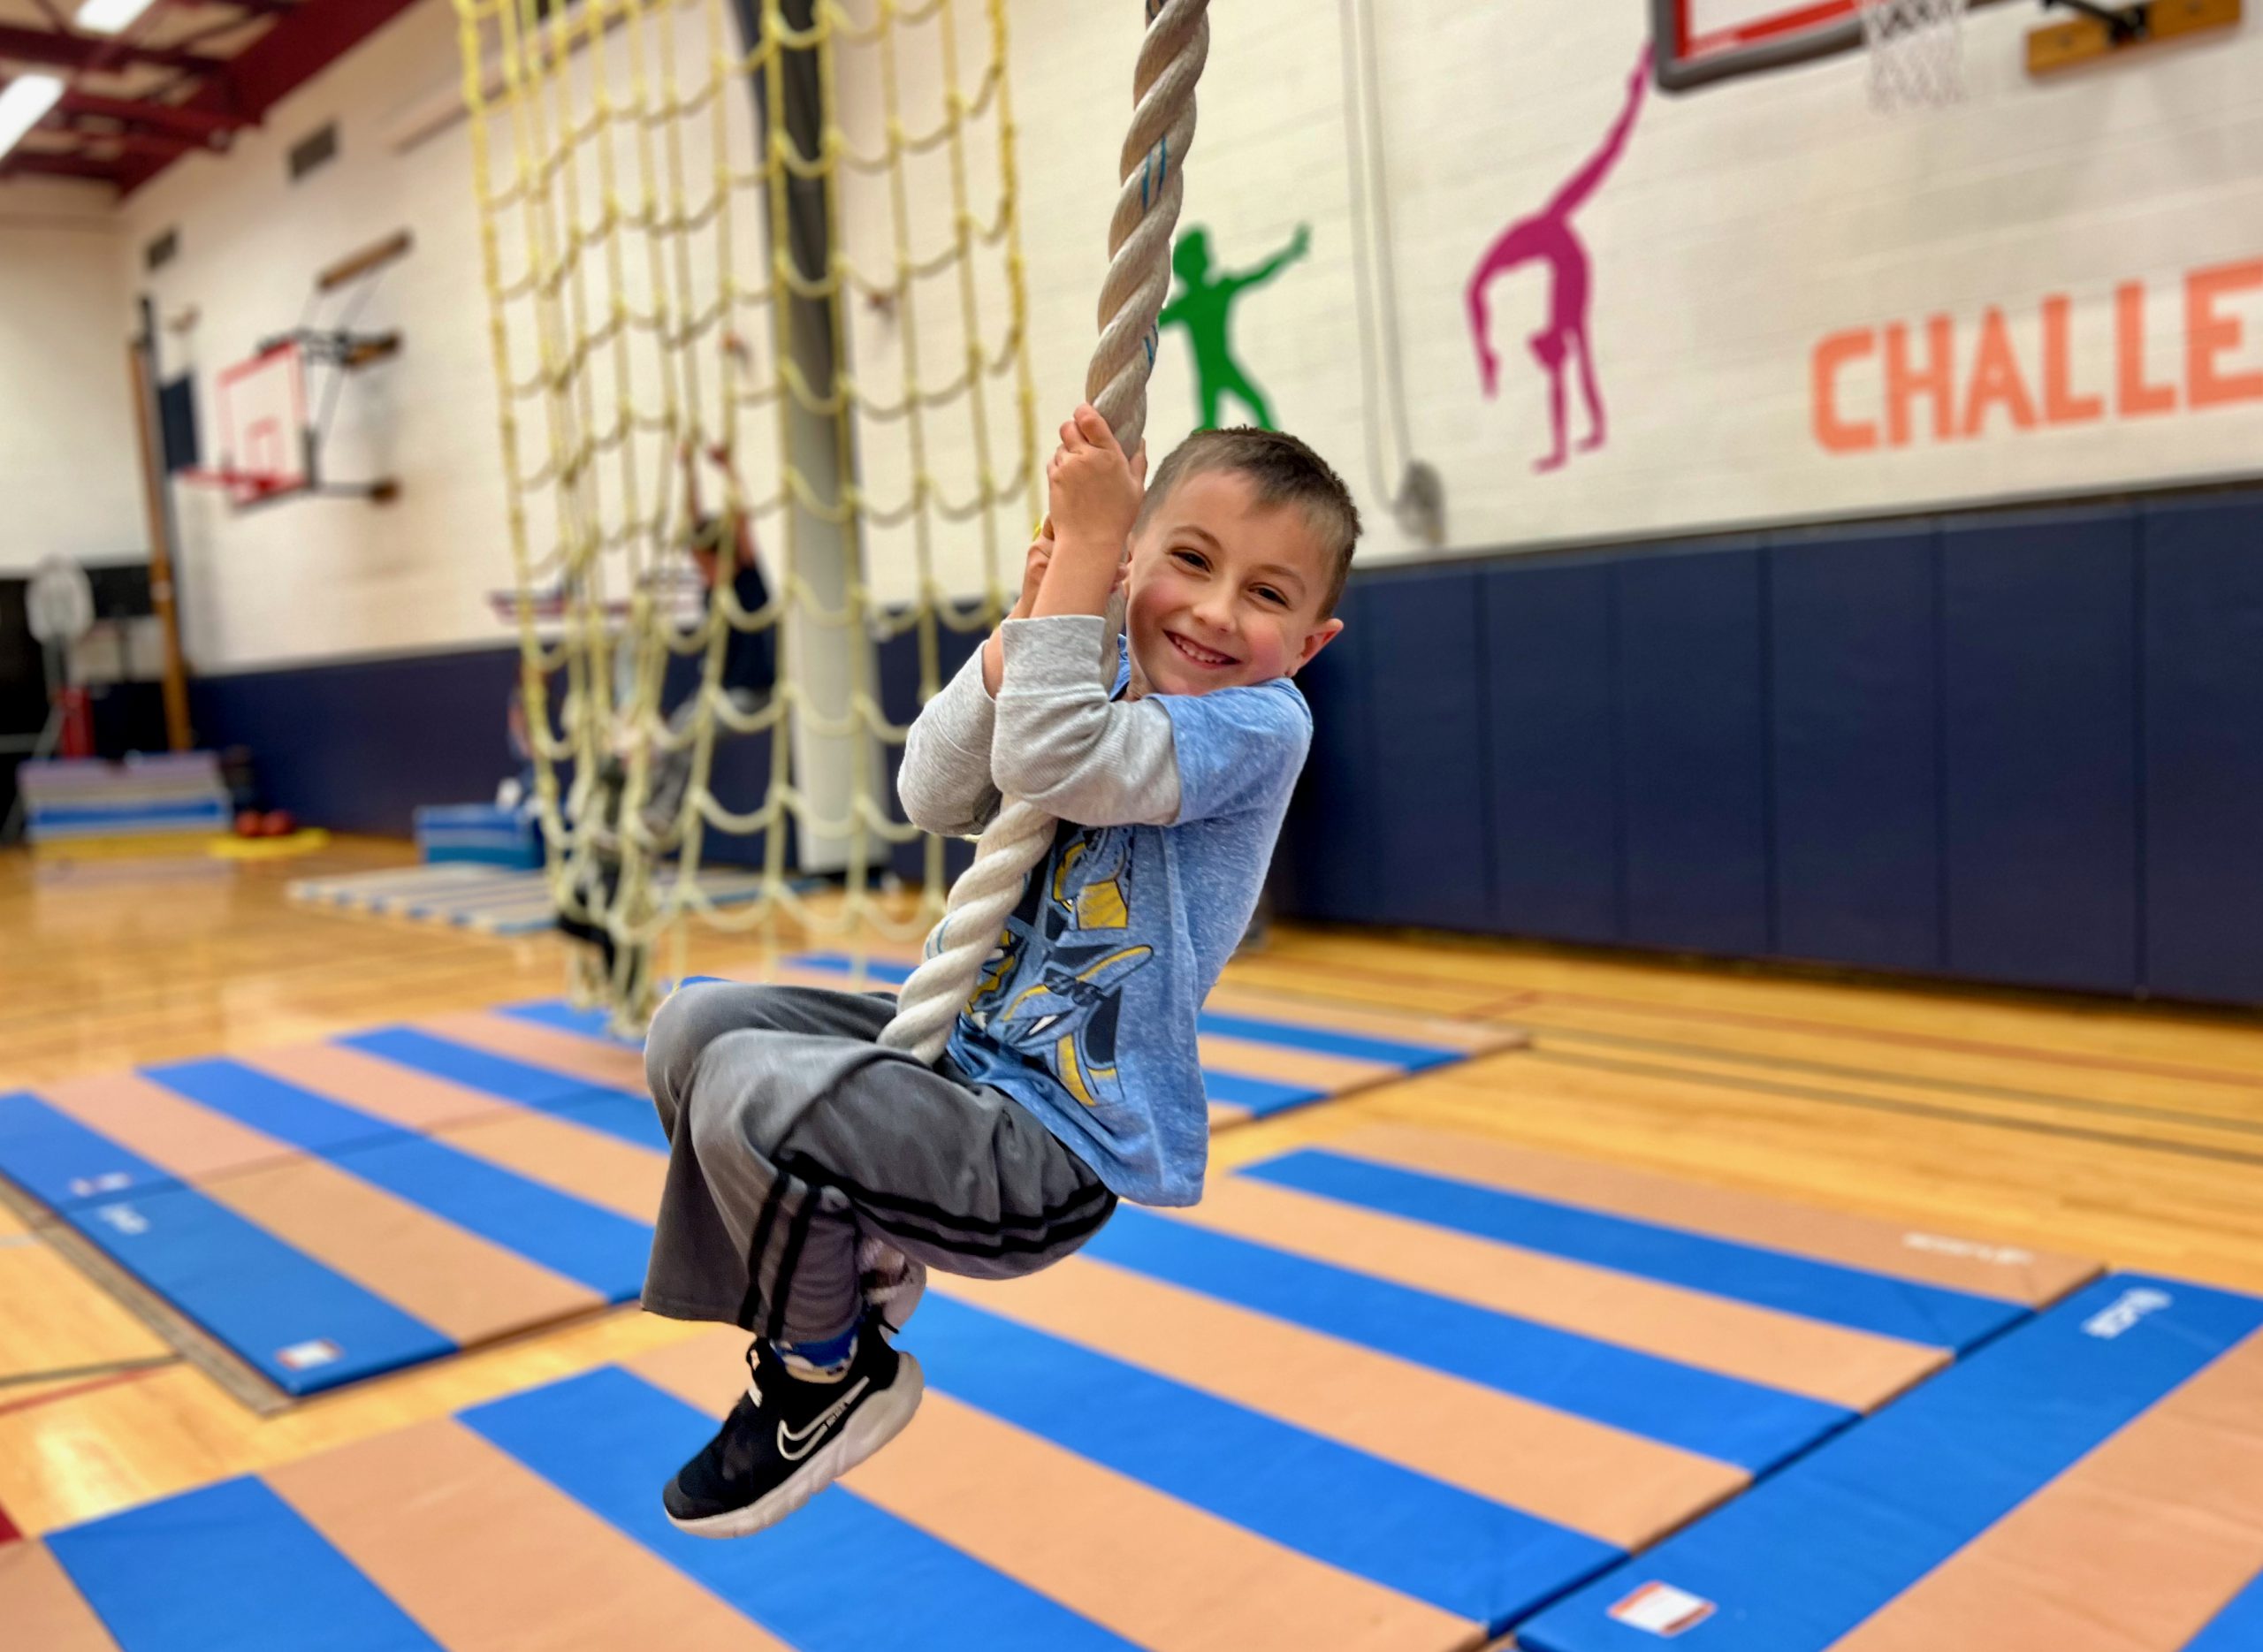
pixel 1927 389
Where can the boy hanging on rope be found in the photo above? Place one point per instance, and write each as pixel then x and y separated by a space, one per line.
pixel 798 1145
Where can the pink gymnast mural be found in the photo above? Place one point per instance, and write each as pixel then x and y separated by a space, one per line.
pixel 1548 238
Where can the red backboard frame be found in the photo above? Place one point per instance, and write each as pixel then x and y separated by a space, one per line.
pixel 265 449
pixel 1777 35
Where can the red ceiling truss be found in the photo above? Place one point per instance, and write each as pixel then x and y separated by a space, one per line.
pixel 185 75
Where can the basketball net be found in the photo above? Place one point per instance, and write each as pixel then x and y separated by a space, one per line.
pixel 1917 51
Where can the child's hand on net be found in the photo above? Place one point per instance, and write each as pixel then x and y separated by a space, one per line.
pixel 1095 489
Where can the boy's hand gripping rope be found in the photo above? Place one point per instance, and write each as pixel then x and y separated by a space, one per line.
pixel 1139 279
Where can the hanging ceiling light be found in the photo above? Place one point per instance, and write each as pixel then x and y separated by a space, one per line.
pixel 23 103
pixel 109 17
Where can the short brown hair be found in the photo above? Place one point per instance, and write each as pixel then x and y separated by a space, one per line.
pixel 1282 470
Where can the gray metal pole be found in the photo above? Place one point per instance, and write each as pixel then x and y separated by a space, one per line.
pixel 823 660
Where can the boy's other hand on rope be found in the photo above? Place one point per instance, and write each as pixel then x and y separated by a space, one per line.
pixel 1034 566
pixel 1040 557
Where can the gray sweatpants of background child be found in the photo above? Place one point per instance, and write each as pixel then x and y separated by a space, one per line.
pixel 792 1135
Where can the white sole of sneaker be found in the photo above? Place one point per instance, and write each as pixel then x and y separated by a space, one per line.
pixel 878 1422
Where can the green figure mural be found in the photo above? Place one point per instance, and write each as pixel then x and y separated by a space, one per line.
pixel 1203 305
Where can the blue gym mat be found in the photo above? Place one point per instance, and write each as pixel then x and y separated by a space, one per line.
pixel 2093 1480
pixel 310 1299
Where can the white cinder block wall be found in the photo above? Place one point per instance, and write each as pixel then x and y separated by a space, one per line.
pixel 319 579
pixel 68 481
pixel 1746 224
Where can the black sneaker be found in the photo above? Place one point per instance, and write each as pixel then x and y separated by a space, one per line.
pixel 789 1437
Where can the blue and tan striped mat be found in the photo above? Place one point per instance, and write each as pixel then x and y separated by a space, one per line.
pixel 308 1215
pixel 1395 1392
pixel 2093 1482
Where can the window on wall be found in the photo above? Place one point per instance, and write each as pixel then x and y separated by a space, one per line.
pixel 317 149
pixel 177 422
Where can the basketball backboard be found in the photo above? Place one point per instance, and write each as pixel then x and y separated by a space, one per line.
pixel 1700 42
pixel 263 422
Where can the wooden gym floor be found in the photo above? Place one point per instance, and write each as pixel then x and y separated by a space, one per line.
pixel 2133 1135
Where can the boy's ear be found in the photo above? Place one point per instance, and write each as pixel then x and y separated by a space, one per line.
pixel 1316 639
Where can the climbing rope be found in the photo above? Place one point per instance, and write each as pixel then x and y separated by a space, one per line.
pixel 642 274
pixel 1170 62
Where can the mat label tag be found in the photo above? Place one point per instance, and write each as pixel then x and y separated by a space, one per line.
pixel 2125 1311
pixel 1662 1610
pixel 1941 1244
pixel 124 1219
pixel 109 1181
pixel 306 1356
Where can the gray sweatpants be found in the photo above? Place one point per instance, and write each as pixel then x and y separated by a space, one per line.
pixel 791 1135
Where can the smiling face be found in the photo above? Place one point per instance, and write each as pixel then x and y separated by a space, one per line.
pixel 1224 590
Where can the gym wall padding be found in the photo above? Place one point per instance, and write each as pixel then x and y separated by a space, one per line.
pixel 2023 747
pixel 2039 642
pixel 1693 737
pixel 2202 723
pixel 1552 785
pixel 1856 737
pixel 357 745
pixel 1328 866
pixel 1431 861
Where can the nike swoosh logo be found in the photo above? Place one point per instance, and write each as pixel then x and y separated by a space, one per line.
pixel 794 1445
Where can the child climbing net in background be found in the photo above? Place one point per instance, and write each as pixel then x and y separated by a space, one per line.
pixel 796 1142
pixel 748 677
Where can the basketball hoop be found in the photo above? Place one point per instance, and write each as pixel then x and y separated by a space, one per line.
pixel 244 488
pixel 1916 52
pixel 271 445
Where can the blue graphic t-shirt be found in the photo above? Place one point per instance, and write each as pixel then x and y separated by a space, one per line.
pixel 1087 1010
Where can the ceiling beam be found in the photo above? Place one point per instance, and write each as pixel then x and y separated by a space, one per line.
pixel 302 45
pixel 21 160
pixel 295 50
pixel 88 51
pixel 129 140
pixel 198 124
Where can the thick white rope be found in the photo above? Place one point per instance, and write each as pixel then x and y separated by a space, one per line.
pixel 1139 279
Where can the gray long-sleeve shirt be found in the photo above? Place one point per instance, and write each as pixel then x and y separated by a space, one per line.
pixel 1087 1010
